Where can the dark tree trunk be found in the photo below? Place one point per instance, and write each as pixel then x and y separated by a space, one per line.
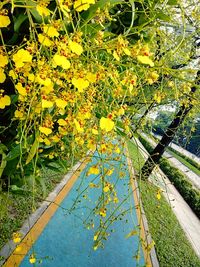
pixel 168 136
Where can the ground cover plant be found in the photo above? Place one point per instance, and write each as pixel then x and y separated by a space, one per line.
pixel 73 74
pixel 172 246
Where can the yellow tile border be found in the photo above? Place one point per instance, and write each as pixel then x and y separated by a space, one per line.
pixel 16 258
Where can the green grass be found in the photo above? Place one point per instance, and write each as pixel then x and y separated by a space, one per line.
pixel 15 208
pixel 172 247
pixel 184 161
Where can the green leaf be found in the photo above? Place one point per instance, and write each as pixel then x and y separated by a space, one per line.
pixel 41 181
pixel 18 21
pixel 3 162
pixel 14 153
pixel 162 16
pixel 3 147
pixel 34 12
pixel 33 150
pixel 172 2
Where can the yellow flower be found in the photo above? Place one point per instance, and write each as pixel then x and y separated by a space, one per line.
pixel 45 81
pixel 115 200
pixel 92 185
pixel 60 103
pixel 75 48
pixel 4 21
pixel 145 60
pixel 45 130
pixel 32 259
pixel 120 111
pixel 106 188
pixel 62 122
pixel 127 51
pixel 96 235
pixel 78 126
pixel 3 61
pixel 102 212
pixel 47 89
pixel 80 83
pixel 16 237
pixel 2 76
pixel 44 40
pixel 50 31
pixel 106 124
pixel 19 114
pixel 47 142
pixel 4 101
pixel 21 57
pixel 95 132
pixel 31 77
pixel 55 138
pixel 158 97
pixel 109 172
pixel 21 90
pixel 12 74
pixel 43 10
pixel 116 56
pixel 158 195
pixel 117 150
pixel 93 170
pixel 61 61
pixel 47 103
pixel 80 5
pixel 91 77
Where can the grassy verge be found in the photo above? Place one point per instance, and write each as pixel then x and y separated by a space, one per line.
pixel 184 161
pixel 172 247
pixel 16 206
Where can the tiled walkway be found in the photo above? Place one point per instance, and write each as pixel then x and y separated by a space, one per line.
pixel 64 234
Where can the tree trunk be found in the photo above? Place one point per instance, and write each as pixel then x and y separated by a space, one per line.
pixel 168 136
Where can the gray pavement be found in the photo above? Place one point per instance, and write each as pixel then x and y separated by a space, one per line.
pixel 187 219
pixel 193 177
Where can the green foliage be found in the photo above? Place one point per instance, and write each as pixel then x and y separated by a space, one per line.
pixel 17 205
pixel 191 195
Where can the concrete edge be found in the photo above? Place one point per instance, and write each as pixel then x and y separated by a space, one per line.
pixel 9 247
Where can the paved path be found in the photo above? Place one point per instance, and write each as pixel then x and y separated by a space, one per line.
pixel 187 219
pixel 68 234
pixel 181 150
pixel 193 177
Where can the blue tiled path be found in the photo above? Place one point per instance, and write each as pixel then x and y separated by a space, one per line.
pixel 66 240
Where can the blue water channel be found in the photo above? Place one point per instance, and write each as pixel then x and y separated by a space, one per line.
pixel 66 240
